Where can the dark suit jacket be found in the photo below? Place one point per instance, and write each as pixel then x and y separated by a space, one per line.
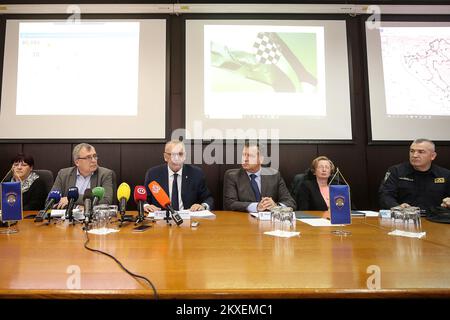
pixel 238 193
pixel 193 185
pixel 34 198
pixel 103 177
pixel 309 196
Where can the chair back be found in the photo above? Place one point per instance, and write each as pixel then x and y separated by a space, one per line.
pixel 298 179
pixel 47 177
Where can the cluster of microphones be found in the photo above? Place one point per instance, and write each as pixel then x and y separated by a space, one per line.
pixel 92 197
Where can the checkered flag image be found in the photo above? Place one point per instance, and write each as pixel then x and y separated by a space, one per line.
pixel 267 51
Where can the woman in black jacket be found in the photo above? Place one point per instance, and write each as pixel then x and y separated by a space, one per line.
pixel 33 188
pixel 314 193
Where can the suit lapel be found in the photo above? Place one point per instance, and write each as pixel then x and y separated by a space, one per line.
pixel 73 178
pixel 245 186
pixel 184 183
pixel 264 183
pixel 94 179
pixel 164 178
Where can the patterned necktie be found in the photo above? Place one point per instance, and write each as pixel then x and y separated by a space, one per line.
pixel 255 187
pixel 174 200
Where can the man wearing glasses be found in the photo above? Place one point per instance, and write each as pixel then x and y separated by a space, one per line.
pixel 85 174
pixel 185 184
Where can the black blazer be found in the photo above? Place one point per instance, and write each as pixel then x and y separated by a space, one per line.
pixel 193 185
pixel 34 198
pixel 309 196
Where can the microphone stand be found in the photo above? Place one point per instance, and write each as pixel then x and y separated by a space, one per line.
pixel 48 217
pixel 140 217
pixel 168 218
pixel 70 214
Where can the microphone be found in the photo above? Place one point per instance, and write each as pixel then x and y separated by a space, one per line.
pixel 163 199
pixel 140 195
pixel 123 195
pixel 87 200
pixel 98 193
pixel 53 197
pixel 72 195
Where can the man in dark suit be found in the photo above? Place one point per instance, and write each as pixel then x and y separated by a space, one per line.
pixel 185 184
pixel 85 174
pixel 253 188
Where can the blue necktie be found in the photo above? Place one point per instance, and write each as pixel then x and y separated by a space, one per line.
pixel 174 200
pixel 255 187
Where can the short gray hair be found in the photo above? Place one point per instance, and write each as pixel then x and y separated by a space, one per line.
pixel 174 143
pixel 422 140
pixel 76 150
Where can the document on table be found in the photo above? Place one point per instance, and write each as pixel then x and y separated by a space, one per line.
pixel 319 222
pixel 202 214
pixel 369 213
pixel 185 214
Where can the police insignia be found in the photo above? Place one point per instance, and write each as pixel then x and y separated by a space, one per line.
pixel 11 199
pixel 386 176
pixel 439 180
pixel 339 201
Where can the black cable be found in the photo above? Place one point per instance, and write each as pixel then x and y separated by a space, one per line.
pixel 121 265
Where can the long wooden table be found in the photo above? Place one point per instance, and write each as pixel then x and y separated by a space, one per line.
pixel 225 257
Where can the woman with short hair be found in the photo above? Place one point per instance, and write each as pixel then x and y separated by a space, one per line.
pixel 33 188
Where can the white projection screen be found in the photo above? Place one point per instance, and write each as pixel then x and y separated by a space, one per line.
pixel 91 79
pixel 409 80
pixel 285 79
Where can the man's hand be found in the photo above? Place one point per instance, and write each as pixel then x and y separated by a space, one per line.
pixel 446 202
pixel 62 203
pixel 197 207
pixel 151 208
pixel 266 203
pixel 405 205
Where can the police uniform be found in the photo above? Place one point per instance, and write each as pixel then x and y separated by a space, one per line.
pixel 403 184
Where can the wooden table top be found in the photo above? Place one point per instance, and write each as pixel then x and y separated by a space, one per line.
pixel 228 256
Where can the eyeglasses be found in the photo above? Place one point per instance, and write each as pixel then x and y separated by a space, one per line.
pixel 175 154
pixel 23 164
pixel 90 158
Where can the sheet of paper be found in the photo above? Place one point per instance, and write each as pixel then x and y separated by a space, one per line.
pixel 319 222
pixel 184 214
pixel 369 213
pixel 262 215
pixel 283 234
pixel 202 214
pixel 407 234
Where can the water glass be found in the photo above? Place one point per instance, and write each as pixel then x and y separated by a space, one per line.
pixel 103 214
pixel 276 217
pixel 412 219
pixel 288 219
pixel 406 219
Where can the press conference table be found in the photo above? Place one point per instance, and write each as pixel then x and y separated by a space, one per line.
pixel 228 256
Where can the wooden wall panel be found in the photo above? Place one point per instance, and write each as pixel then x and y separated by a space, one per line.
pixel 109 157
pixel 7 153
pixel 51 156
pixel 352 163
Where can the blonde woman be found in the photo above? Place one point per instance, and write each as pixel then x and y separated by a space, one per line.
pixel 314 193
